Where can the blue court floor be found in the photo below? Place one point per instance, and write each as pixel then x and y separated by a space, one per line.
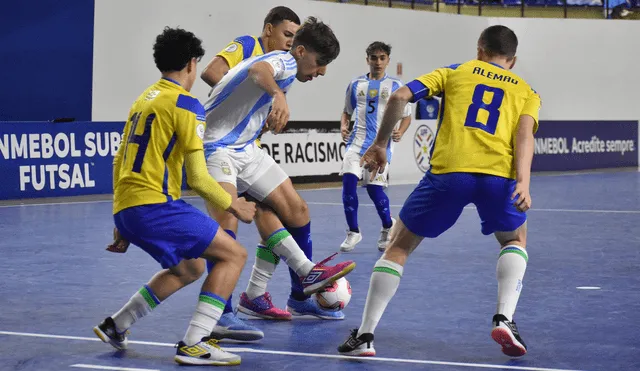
pixel 579 309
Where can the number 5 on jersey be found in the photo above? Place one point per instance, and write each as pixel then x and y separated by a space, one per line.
pixel 142 140
pixel 493 108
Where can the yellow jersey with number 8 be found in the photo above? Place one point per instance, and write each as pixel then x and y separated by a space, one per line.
pixel 478 119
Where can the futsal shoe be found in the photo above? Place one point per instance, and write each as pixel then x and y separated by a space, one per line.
pixel 383 241
pixel 506 334
pixel 262 307
pixel 359 346
pixel 323 275
pixel 353 238
pixel 205 353
pixel 108 333
pixel 230 327
pixel 310 307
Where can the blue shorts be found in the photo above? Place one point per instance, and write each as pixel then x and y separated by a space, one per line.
pixel 436 203
pixel 169 232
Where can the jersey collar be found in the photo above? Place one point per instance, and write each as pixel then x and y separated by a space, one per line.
pixel 171 80
pixel 366 76
pixel 497 65
pixel 261 44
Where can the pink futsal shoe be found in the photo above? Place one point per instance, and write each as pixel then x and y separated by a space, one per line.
pixel 322 275
pixel 262 307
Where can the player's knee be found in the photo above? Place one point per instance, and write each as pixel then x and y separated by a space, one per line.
pixel 299 209
pixel 240 255
pixel 193 274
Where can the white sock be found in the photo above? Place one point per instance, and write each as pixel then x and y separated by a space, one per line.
pixel 282 244
pixel 512 264
pixel 140 304
pixel 263 268
pixel 207 314
pixel 385 280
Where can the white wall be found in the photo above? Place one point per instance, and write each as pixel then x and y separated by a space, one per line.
pixel 584 69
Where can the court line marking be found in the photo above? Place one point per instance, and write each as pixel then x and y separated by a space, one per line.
pixel 588 288
pixel 595 211
pixel 98 367
pixel 300 354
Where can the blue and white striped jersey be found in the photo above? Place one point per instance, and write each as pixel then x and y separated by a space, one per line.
pixel 238 108
pixel 367 99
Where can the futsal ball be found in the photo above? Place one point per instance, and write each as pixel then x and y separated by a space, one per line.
pixel 335 296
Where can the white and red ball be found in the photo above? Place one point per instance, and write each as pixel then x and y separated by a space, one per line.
pixel 335 296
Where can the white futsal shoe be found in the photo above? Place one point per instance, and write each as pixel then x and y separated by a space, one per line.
pixel 353 238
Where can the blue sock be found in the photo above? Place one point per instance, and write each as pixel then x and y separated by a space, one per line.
pixel 350 200
pixel 302 236
pixel 227 308
pixel 381 201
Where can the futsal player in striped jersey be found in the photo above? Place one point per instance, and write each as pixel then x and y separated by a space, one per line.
pixel 279 27
pixel 366 99
pixel 252 95
pixel 482 154
pixel 163 132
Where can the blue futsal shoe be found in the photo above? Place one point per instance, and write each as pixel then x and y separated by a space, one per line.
pixel 310 307
pixel 230 327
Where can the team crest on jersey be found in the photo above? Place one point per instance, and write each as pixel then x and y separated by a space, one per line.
pixel 226 169
pixel 422 143
pixel 385 93
pixel 152 94
pixel 373 93
pixel 200 131
pixel 231 48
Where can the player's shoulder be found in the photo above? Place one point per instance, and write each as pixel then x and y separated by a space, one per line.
pixel 185 102
pixel 394 80
pixel 245 40
pixel 359 79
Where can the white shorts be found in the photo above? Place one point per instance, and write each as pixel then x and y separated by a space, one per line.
pixel 251 170
pixel 351 165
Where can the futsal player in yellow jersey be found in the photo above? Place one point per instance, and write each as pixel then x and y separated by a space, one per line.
pixel 482 155
pixel 164 131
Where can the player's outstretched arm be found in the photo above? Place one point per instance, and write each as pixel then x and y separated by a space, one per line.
pixel 523 159
pixel 262 74
pixel 206 187
pixel 392 114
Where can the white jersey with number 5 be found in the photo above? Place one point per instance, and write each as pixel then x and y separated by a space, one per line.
pixel 238 108
pixel 368 100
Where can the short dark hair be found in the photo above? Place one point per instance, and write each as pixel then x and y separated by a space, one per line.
pixel 317 37
pixel 499 41
pixel 378 46
pixel 174 48
pixel 280 14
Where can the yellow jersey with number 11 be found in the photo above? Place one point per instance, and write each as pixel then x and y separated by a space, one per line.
pixel 478 119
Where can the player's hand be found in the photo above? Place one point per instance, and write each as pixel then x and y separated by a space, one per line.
pixel 279 115
pixel 243 210
pixel 396 136
pixel 521 197
pixel 374 160
pixel 119 244
pixel 344 130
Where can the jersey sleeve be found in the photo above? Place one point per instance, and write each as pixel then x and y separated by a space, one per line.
pixel 282 64
pixel 429 85
pixel 238 50
pixel 532 108
pixel 190 123
pixel 350 98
